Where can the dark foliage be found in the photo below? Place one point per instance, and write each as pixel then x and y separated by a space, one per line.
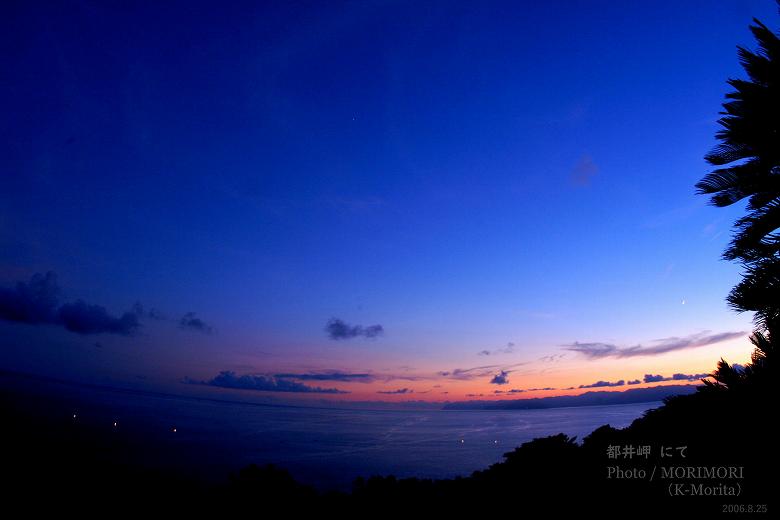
pixel 749 160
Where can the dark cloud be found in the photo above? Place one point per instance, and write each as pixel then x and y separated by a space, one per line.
pixel 329 376
pixel 399 391
pixel 37 302
pixel 31 302
pixel 191 322
pixel 338 329
pixel 657 378
pixel 661 346
pixel 688 377
pixel 506 349
pixel 83 318
pixel 400 377
pixel 634 382
pixel 601 384
pixel 502 378
pixel 261 383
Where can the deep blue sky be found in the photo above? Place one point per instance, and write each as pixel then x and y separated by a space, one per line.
pixel 464 174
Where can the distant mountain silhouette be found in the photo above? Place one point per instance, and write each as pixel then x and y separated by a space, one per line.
pixel 593 398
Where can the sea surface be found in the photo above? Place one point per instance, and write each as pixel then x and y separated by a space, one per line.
pixel 325 447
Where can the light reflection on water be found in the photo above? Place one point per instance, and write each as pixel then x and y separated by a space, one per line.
pixel 323 446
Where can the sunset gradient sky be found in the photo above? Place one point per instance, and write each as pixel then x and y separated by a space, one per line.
pixel 366 200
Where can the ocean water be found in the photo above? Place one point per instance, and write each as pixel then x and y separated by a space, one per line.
pixel 325 447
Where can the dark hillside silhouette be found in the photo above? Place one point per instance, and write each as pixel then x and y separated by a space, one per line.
pixel 592 398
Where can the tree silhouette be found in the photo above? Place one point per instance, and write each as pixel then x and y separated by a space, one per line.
pixel 748 158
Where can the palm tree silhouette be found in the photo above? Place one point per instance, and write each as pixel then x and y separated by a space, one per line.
pixel 750 151
pixel 748 157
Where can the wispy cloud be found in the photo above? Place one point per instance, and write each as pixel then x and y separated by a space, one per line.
pixel 524 390
pixel 338 329
pixel 673 216
pixel 657 347
pixel 261 383
pixel 396 392
pixel 467 374
pixel 506 349
pixel 329 376
pixel 552 358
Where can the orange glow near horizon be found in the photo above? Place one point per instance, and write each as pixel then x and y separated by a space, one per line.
pixel 573 375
